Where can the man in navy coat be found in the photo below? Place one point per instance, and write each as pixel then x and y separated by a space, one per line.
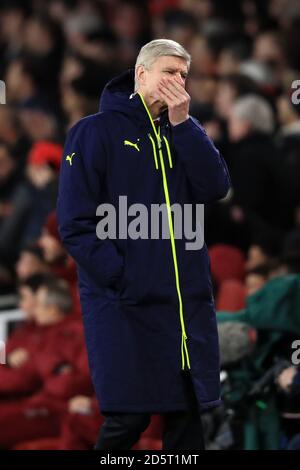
pixel 147 302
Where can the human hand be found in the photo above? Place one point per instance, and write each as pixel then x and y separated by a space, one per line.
pixel 17 357
pixel 173 93
pixel 285 379
pixel 80 404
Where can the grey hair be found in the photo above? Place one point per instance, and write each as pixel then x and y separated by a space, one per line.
pixel 256 111
pixel 159 48
pixel 57 293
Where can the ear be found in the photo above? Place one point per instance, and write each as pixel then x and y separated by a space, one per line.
pixel 140 74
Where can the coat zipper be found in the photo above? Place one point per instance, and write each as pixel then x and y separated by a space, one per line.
pixel 184 350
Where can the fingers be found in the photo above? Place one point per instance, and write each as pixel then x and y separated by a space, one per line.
pixel 171 90
pixel 162 98
pixel 167 94
pixel 176 86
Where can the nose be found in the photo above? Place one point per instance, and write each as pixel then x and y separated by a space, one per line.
pixel 179 76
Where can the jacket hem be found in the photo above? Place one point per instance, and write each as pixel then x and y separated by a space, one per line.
pixel 145 408
pixel 156 409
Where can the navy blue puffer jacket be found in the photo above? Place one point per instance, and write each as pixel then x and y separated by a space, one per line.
pixel 147 303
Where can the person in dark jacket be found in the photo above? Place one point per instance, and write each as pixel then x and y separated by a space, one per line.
pixel 288 145
pixel 253 159
pixel 147 302
pixel 15 204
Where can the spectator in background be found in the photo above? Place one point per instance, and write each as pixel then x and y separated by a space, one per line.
pixel 203 10
pixel 264 76
pixel 179 25
pixel 39 121
pixel 81 81
pixel 233 55
pixel 129 23
pixel 284 11
pixel 231 87
pixel 250 214
pixel 12 22
pixel 31 261
pixel 52 377
pixel 205 57
pixel 78 428
pixel 253 159
pixel 90 38
pixel 24 342
pixel 288 145
pixel 260 253
pixel 58 261
pixel 15 204
pixel 22 82
pixel 42 171
pixel 81 426
pixel 61 10
pixel 256 278
pixel 268 49
pixel 80 98
pixel 12 133
pixel 43 44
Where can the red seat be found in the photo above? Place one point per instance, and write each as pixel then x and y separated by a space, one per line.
pixel 227 262
pixel 231 296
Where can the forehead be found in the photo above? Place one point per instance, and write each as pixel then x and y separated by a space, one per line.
pixel 172 62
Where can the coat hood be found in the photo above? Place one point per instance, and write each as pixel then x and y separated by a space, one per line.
pixel 118 96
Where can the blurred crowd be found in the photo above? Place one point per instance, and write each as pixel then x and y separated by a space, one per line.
pixel 55 59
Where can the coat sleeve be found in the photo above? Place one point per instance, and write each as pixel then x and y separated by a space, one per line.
pixel 81 184
pixel 77 380
pixel 19 381
pixel 68 385
pixel 205 168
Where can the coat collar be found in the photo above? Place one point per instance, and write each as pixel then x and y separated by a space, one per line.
pixel 118 95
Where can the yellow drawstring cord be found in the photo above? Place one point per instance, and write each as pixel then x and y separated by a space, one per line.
pixel 168 151
pixel 154 150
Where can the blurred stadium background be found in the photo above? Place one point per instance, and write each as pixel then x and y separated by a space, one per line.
pixel 55 58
